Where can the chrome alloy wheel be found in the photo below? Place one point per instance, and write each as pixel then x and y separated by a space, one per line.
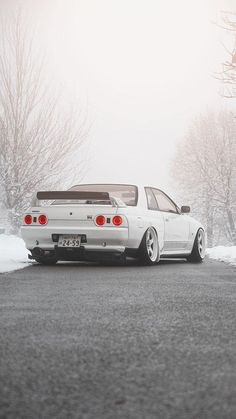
pixel 152 244
pixel 201 243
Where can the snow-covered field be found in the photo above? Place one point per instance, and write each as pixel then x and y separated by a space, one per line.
pixel 13 254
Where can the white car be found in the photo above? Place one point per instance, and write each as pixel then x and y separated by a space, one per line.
pixel 103 222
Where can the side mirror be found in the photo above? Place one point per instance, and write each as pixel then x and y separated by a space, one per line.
pixel 185 209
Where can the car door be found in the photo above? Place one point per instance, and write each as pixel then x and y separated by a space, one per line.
pixel 176 225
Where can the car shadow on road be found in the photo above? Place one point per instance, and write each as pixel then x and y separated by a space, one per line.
pixel 96 265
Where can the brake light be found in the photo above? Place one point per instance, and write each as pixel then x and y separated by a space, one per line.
pixel 43 219
pixel 100 220
pixel 28 219
pixel 117 220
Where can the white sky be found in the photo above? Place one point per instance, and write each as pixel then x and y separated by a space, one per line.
pixel 144 66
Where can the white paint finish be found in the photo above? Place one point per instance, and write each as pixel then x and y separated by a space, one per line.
pixel 177 228
pixel 72 219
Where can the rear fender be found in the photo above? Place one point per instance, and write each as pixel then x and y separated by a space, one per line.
pixel 138 225
pixel 194 227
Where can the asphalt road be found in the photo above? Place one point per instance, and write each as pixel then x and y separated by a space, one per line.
pixel 106 342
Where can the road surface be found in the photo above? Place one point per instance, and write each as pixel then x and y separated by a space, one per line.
pixel 104 342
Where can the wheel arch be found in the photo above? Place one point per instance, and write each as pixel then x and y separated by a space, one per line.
pixel 149 249
pixel 195 226
pixel 145 230
pixel 196 254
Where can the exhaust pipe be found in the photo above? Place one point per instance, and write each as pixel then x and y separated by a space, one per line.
pixel 37 251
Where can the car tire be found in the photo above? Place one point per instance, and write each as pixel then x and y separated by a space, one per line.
pixel 149 253
pixel 44 261
pixel 198 251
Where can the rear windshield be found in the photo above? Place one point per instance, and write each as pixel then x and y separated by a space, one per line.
pixel 127 193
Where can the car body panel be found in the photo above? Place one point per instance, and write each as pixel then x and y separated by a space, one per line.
pixel 177 227
pixel 175 231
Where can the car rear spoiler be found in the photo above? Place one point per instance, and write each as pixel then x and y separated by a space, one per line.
pixel 89 196
pixel 55 195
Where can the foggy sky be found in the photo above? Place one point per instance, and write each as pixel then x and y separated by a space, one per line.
pixel 143 68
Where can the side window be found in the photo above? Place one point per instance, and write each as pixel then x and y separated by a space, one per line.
pixel 164 203
pixel 151 202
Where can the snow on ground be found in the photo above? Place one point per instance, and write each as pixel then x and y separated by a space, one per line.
pixel 223 253
pixel 13 254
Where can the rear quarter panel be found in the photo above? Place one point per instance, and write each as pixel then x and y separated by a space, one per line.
pixel 140 218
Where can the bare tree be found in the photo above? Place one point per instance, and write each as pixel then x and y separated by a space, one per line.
pixel 205 172
pixel 38 142
pixel 227 75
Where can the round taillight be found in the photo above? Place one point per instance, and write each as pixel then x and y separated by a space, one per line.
pixel 117 220
pixel 100 220
pixel 28 219
pixel 43 219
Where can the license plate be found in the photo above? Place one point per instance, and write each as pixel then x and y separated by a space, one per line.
pixel 69 241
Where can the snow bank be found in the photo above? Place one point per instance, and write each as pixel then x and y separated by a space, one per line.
pixel 13 254
pixel 223 253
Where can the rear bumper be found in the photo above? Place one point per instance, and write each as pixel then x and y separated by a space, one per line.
pixel 106 239
pixel 79 254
